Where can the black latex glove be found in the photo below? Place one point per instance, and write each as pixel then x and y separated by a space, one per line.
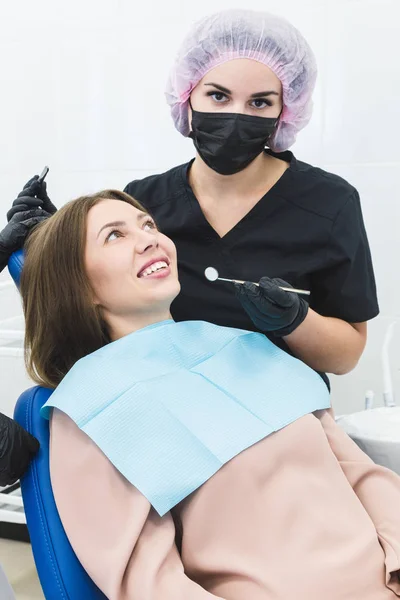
pixel 34 195
pixel 271 309
pixel 15 233
pixel 17 448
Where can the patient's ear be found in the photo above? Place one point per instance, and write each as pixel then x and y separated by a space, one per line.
pixel 92 298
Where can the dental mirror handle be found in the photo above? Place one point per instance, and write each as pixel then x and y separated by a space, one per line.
pixel 285 289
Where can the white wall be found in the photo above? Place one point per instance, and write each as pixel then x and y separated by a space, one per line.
pixel 82 90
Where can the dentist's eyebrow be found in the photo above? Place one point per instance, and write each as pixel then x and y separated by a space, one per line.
pixel 256 95
pixel 220 87
pixel 263 94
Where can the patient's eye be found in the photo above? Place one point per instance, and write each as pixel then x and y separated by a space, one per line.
pixel 114 232
pixel 149 225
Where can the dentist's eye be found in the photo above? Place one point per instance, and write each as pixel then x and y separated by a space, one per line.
pixel 112 233
pixel 218 97
pixel 261 103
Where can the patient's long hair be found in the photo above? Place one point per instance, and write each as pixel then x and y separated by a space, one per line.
pixel 62 322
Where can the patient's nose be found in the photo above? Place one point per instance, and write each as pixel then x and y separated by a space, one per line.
pixel 146 240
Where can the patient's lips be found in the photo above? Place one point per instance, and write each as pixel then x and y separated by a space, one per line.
pixel 155 269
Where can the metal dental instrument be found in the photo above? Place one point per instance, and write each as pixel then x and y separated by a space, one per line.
pixel 212 275
pixel 43 174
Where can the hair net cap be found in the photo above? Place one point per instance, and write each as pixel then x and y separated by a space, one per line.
pixel 260 36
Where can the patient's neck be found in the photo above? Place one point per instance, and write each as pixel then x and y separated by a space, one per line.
pixel 121 325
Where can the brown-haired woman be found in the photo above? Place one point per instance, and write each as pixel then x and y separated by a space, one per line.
pixel 301 513
pixel 63 324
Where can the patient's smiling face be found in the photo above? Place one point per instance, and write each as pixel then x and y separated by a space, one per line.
pixel 131 266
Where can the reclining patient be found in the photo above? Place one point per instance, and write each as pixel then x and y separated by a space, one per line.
pixel 190 461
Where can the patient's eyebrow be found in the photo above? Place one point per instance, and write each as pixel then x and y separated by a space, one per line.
pixel 112 224
pixel 141 215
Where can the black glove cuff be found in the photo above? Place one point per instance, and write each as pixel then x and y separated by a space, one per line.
pixel 4 258
pixel 301 315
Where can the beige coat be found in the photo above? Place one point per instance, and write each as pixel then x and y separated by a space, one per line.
pixel 302 515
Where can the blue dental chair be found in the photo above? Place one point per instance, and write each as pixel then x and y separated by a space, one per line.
pixel 61 575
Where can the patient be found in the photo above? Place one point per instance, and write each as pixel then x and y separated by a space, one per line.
pixel 247 492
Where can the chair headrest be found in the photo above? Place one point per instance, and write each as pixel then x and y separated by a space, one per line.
pixel 15 264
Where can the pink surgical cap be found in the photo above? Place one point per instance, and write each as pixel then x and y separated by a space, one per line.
pixel 260 36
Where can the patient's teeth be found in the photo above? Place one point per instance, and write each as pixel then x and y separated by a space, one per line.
pixel 161 264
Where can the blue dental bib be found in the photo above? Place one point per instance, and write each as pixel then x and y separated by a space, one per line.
pixel 170 404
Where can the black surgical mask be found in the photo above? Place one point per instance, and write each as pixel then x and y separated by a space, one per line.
pixel 229 142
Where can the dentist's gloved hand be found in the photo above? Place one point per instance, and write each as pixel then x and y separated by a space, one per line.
pixel 31 207
pixel 33 195
pixel 14 234
pixel 271 309
pixel 17 448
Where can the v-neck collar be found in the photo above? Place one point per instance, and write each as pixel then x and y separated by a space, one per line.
pixel 262 208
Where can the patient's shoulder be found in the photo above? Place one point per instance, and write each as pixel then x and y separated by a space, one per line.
pixel 65 433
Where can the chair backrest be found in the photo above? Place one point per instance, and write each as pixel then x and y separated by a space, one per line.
pixel 15 264
pixel 61 574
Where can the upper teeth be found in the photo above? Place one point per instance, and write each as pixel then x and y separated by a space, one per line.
pixel 154 267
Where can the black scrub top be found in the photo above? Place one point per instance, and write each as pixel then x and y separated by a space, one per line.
pixel 307 229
